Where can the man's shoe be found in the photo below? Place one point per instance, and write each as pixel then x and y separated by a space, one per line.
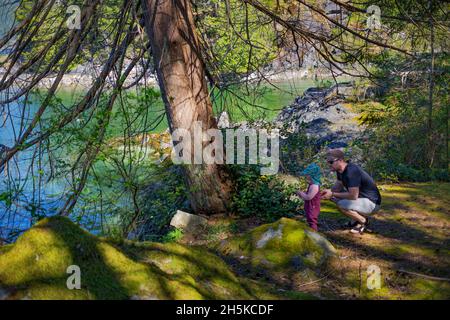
pixel 358 229
pixel 350 224
pixel 368 229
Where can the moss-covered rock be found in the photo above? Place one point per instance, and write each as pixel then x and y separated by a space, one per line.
pixel 284 243
pixel 35 267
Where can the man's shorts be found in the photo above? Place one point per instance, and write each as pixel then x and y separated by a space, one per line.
pixel 361 205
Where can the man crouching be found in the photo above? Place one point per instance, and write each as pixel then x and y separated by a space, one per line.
pixel 355 192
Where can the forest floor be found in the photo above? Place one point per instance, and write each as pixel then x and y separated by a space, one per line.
pixel 409 244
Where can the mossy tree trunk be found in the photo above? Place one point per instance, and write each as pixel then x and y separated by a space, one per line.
pixel 181 76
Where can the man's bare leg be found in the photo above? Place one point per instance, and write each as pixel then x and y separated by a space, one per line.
pixel 354 215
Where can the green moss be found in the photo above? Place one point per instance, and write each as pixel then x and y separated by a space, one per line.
pixel 5 248
pixel 430 289
pixel 263 291
pixel 358 283
pixel 35 268
pixel 412 249
pixel 415 288
pixel 430 197
pixel 281 244
pixel 220 230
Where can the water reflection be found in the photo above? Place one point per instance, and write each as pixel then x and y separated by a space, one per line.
pixel 24 190
pixel 27 193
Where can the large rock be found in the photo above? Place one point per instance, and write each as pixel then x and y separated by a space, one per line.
pixel 283 244
pixel 188 222
pixel 35 267
pixel 324 115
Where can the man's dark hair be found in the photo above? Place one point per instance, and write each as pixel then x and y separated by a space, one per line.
pixel 336 154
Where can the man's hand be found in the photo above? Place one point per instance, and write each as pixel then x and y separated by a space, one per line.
pixel 326 194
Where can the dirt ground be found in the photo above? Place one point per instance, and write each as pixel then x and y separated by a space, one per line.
pixel 409 245
pixel 409 242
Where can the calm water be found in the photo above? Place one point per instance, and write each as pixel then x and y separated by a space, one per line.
pixel 29 170
pixel 21 177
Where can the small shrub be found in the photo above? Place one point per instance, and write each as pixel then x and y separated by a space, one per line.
pixel 173 235
pixel 262 196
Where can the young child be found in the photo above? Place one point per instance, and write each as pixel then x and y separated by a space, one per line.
pixel 312 195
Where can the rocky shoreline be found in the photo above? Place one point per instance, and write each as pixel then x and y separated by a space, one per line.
pixel 83 77
pixel 322 113
pixel 325 115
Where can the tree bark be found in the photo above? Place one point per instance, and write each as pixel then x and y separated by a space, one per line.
pixel 431 82
pixel 431 144
pixel 181 76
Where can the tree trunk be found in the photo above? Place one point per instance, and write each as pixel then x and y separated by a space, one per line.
pixel 181 76
pixel 431 82
pixel 431 141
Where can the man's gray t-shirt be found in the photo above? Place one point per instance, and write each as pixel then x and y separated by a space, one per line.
pixel 353 176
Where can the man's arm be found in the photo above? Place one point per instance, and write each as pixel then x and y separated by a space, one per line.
pixel 352 194
pixel 354 181
pixel 338 186
pixel 353 184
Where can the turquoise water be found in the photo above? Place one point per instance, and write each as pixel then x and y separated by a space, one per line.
pixel 22 194
pixel 6 16
pixel 28 173
pixel 264 102
pixel 241 103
